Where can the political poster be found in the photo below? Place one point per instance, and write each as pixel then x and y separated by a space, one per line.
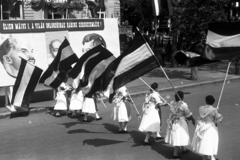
pixel 38 40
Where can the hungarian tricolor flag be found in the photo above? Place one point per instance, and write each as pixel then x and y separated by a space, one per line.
pixel 25 84
pixel 138 60
pixel 57 70
pixel 222 43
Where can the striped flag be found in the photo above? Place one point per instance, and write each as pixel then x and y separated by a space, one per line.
pixel 222 43
pixel 25 84
pixel 135 62
pixel 78 69
pixel 56 72
pixel 95 66
pixel 192 56
pixel 90 66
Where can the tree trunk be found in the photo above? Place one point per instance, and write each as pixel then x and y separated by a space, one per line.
pixel 237 67
pixel 194 73
pixel 174 48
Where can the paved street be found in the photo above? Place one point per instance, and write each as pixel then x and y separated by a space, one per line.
pixel 44 137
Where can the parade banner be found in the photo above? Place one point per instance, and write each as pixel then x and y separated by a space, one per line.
pixel 38 40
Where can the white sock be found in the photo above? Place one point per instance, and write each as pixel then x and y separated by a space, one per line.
pixel 97 116
pixel 158 134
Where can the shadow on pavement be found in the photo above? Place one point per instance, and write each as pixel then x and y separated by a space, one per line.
pixel 97 142
pixel 81 131
pixel 111 127
pixel 138 138
pixel 70 124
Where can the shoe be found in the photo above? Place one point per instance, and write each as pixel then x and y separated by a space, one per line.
pixel 147 144
pixel 11 108
pixel 98 119
pixel 85 120
pixel 176 157
pixel 185 152
pixel 120 131
pixel 125 131
pixel 57 114
pixel 159 138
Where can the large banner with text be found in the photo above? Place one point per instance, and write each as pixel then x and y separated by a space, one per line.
pixel 38 41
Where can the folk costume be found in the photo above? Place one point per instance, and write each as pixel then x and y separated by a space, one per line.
pixel 76 102
pixel 122 109
pixel 177 132
pixel 205 139
pixel 150 122
pixel 90 107
pixel 61 100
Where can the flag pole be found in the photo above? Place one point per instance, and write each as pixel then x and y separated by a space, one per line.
pixel 159 64
pixel 154 91
pixel 103 103
pixel 224 82
pixel 133 103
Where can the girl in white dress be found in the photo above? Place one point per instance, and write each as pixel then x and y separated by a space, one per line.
pixel 61 100
pixel 150 122
pixel 90 107
pixel 76 102
pixel 122 110
pixel 177 132
pixel 205 139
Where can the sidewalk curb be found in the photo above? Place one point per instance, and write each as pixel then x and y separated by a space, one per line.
pixel 134 95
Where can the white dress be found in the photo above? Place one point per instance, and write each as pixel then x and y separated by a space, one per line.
pixel 76 102
pixel 205 139
pixel 177 130
pixel 61 103
pixel 150 120
pixel 89 106
pixel 121 109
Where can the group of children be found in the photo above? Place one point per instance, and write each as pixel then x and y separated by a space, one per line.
pixel 205 139
pixel 73 102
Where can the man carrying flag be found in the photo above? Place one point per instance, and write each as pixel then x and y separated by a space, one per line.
pixel 24 87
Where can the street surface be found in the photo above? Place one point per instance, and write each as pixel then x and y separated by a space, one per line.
pixel 41 136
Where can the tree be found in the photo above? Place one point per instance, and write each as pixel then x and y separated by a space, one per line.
pixel 190 18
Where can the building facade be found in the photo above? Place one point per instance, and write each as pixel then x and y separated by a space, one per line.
pixel 59 9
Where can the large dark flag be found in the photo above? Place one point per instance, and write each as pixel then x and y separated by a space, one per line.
pixel 57 70
pixel 95 66
pixel 132 64
pixel 25 84
pixel 90 66
pixel 222 43
pixel 192 56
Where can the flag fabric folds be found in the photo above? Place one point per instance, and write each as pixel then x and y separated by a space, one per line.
pixel 79 67
pixel 222 43
pixel 56 72
pixel 96 64
pixel 90 66
pixel 135 62
pixel 25 84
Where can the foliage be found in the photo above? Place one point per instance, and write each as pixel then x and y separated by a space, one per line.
pixel 138 13
pixel 190 17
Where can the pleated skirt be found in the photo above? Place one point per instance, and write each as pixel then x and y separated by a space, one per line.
pixel 178 134
pixel 207 143
pixel 89 106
